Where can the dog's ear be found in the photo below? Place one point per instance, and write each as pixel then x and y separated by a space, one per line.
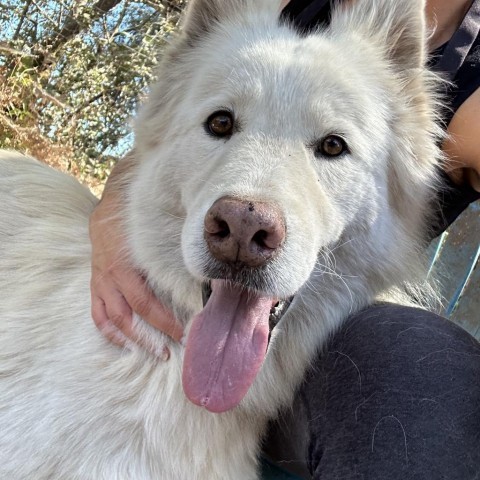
pixel 202 15
pixel 399 25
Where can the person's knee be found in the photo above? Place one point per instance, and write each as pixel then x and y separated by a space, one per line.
pixel 390 370
pixel 387 328
pixel 391 346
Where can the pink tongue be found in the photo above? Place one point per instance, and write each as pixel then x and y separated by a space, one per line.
pixel 226 346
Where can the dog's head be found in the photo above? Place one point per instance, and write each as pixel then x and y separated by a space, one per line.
pixel 260 150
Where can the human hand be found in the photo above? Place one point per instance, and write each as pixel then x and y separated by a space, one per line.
pixel 117 288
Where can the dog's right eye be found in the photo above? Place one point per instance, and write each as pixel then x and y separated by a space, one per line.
pixel 220 124
pixel 331 146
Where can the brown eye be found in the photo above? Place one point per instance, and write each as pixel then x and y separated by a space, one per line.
pixel 220 124
pixel 331 146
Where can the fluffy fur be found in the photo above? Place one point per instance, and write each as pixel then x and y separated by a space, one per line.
pixel 73 406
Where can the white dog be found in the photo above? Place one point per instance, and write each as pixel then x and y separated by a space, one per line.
pixel 292 173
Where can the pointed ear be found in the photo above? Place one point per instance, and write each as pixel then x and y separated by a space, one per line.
pixel 399 25
pixel 202 15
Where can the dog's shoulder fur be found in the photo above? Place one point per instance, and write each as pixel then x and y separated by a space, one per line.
pixel 72 405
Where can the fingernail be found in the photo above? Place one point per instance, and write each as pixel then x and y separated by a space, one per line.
pixel 177 333
pixel 180 336
pixel 166 354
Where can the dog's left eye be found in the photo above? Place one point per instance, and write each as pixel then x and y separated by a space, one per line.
pixel 331 146
pixel 220 124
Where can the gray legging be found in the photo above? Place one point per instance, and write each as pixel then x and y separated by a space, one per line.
pixel 396 395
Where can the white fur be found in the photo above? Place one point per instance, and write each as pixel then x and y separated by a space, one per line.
pixel 73 406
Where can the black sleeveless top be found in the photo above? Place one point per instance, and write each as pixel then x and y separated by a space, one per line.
pixel 458 60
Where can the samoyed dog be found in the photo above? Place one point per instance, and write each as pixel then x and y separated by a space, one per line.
pixel 289 174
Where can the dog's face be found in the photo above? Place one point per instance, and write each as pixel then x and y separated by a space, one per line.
pixel 270 129
pixel 262 151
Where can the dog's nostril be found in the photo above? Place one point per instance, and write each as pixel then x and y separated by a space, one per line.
pixel 259 238
pixel 223 229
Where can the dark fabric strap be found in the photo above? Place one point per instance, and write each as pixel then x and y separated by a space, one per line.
pixel 461 43
pixel 308 14
pixel 311 12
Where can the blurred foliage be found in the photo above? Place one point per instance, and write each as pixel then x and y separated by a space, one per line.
pixel 72 72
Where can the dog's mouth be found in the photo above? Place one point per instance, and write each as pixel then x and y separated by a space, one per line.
pixel 227 344
pixel 279 307
pixel 277 311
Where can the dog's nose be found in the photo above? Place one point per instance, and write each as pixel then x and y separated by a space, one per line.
pixel 244 231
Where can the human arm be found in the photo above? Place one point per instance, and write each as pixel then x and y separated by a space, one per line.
pixel 116 287
pixel 462 146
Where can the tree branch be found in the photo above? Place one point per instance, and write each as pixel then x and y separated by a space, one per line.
pixel 73 26
pixel 22 19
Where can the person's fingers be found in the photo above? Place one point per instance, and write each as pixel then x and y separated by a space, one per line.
pixel 110 331
pixel 118 310
pixel 110 311
pixel 103 323
pixel 118 323
pixel 116 288
pixel 122 290
pixel 143 301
